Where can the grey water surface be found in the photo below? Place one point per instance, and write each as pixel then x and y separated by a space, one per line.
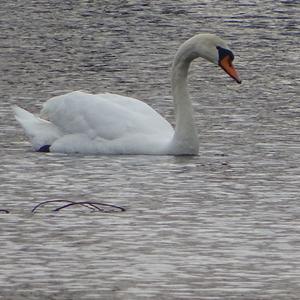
pixel 221 225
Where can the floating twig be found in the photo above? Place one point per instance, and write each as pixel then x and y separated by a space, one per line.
pixel 87 204
pixel 93 205
pixel 109 205
pixel 49 201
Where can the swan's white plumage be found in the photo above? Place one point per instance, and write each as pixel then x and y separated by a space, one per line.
pixel 71 123
pixel 108 116
pixel 114 124
pixel 40 132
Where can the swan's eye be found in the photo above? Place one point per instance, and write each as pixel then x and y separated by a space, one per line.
pixel 225 52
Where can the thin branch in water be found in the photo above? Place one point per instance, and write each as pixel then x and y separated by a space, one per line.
pixel 49 201
pixel 109 205
pixel 93 205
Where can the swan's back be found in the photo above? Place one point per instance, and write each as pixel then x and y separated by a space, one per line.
pixel 108 116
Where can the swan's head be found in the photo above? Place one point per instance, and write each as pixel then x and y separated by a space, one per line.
pixel 215 50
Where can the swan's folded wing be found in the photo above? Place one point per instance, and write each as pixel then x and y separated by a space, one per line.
pixel 107 116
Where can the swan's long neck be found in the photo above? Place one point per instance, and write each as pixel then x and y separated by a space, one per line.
pixel 185 140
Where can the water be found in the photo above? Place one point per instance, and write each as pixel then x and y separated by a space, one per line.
pixel 222 225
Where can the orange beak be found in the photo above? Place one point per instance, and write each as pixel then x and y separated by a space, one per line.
pixel 227 66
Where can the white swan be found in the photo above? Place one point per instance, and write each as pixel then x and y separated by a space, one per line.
pixel 79 122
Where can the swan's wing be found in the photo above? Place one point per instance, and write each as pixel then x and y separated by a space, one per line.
pixel 129 103
pixel 107 116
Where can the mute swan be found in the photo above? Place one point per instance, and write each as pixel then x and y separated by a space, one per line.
pixel 79 122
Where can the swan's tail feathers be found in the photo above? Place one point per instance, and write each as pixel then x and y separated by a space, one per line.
pixel 41 133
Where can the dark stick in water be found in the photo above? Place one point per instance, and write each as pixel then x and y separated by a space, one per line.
pixel 90 204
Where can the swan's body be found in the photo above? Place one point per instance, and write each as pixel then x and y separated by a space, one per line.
pixel 79 122
pixel 126 125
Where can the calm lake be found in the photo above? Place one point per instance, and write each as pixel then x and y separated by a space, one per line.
pixel 221 225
